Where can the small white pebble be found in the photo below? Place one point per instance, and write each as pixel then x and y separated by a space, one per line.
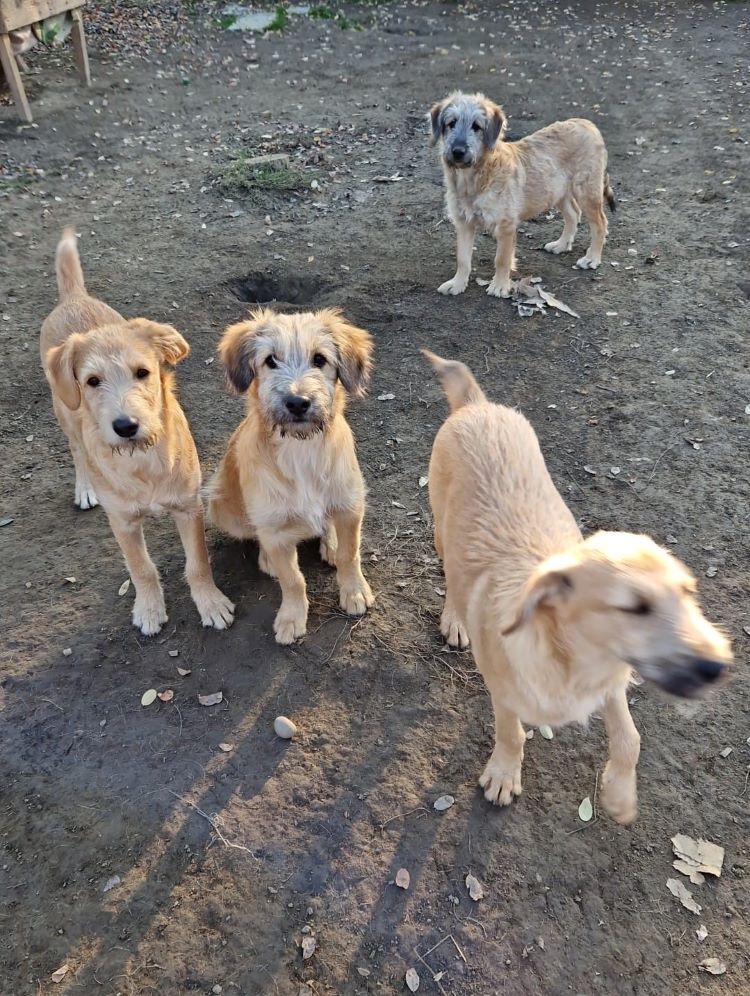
pixel 726 752
pixel 284 728
pixel 67 652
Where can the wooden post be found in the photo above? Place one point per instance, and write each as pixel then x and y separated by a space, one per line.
pixel 13 76
pixel 79 46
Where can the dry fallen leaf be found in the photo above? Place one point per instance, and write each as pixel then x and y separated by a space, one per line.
pixel 167 695
pixel 70 580
pixel 423 481
pixel 60 974
pixel 208 700
pixel 585 810
pixel 475 888
pixel 403 878
pixel 690 870
pixel 714 966
pixel 184 672
pixel 555 302
pixel 686 898
pixel 702 932
pixel 226 747
pixel 148 697
pixel 546 732
pixel 308 947
pixel 700 855
pixel 111 883
pixel 412 980
pixel 122 590
pixel 443 803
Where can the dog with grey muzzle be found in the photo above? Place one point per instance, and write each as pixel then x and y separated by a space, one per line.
pixel 493 185
pixel 290 472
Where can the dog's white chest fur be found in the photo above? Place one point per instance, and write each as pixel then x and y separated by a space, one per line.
pixel 302 493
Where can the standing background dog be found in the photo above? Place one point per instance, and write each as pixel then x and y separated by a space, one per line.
pixel 493 185
pixel 290 472
pixel 130 440
pixel 555 622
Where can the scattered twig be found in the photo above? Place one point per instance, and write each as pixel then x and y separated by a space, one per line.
pixel 400 816
pixel 212 822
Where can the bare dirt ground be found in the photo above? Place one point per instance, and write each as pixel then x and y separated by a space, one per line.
pixel 227 860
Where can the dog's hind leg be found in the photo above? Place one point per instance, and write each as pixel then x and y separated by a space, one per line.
pixel 593 209
pixel 213 605
pixel 329 542
pixel 355 596
pixel 451 626
pixel 281 553
pixel 149 611
pixel 501 778
pixel 85 496
pixel 619 792
pixel 464 248
pixel 571 217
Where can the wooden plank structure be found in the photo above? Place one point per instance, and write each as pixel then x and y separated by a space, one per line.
pixel 16 14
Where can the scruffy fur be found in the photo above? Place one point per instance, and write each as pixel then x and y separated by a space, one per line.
pixel 290 472
pixel 105 371
pixel 493 185
pixel 555 621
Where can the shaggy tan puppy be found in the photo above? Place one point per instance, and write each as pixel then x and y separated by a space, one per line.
pixel 290 472
pixel 556 622
pixel 130 440
pixel 493 185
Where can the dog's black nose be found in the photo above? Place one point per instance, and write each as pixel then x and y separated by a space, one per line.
pixel 709 671
pixel 125 426
pixel 296 404
pixel 459 151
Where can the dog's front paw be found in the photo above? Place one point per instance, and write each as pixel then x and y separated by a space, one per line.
pixel 85 496
pixel 619 795
pixel 587 263
pixel 558 246
pixel 500 781
pixel 214 607
pixel 356 597
pixel 149 613
pixel 499 288
pixel 290 623
pixel 456 285
pixel 453 630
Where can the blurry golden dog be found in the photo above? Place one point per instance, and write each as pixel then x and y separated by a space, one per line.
pixel 555 622
pixel 493 185
pixel 130 440
pixel 290 472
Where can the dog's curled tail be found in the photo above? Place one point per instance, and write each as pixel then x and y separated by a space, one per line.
pixel 458 381
pixel 609 195
pixel 68 265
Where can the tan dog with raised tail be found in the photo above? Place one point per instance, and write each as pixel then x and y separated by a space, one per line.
pixel 556 622
pixel 132 447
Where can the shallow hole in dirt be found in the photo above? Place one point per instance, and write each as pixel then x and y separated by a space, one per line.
pixel 262 288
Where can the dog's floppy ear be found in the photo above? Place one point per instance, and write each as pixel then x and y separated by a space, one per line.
pixel 549 586
pixel 354 347
pixel 60 362
pixel 437 125
pixel 238 351
pixel 497 122
pixel 166 339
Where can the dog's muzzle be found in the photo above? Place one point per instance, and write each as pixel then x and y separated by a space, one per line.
pixel 459 157
pixel 686 677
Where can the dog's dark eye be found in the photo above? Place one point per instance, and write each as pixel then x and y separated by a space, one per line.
pixel 271 363
pixel 450 125
pixel 93 382
pixel 476 126
pixel 141 373
pixel 319 360
pixel 641 608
